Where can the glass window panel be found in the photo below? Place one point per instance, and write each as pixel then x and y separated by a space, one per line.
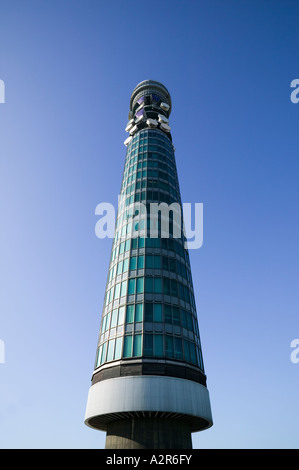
pixel 158 345
pixel 148 312
pixel 133 262
pixel 192 353
pixel 149 260
pixel 130 314
pixel 169 346
pixel 172 265
pixel 110 351
pixel 127 246
pixel 123 290
pixel 176 315
pixel 138 312
pixel 121 315
pixel 104 324
pixel 99 353
pixel 184 319
pixel 140 285
pixel 118 346
pixel 125 265
pixel 187 295
pixel 149 285
pixel 128 346
pixel 119 268
pixel 166 286
pixel 107 326
pixel 173 287
pixel 140 262
pixel 132 286
pixel 186 350
pixel 148 344
pixel 167 314
pixel 134 243
pixel 141 243
pixel 114 318
pixel 117 291
pixel 137 346
pixel 189 321
pixel 103 355
pixel 178 348
pixel 157 285
pixel 157 262
pixel 157 312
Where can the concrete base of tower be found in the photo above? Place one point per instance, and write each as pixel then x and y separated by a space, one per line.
pixel 148 433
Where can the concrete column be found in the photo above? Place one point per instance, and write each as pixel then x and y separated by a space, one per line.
pixel 148 433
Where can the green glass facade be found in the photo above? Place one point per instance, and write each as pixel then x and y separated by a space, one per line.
pixel 149 307
pixel 148 388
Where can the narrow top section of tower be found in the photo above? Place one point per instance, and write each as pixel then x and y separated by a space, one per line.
pixel 150 92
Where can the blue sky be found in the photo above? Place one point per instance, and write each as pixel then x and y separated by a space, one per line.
pixel 69 67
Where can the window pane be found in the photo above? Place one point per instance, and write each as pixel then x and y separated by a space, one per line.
pixel 140 285
pixel 119 268
pixel 157 285
pixel 121 315
pixel 98 362
pixel 118 346
pixel 184 320
pixel 186 350
pixel 189 321
pixel 125 265
pixel 178 348
pixel 181 291
pixel 186 294
pixel 137 347
pixel 167 313
pixel 107 326
pixel 134 244
pixel 114 318
pixel 123 288
pixel 157 312
pixel 148 345
pixel 103 324
pixel 148 312
pixel 157 262
pixel 149 261
pixel 149 285
pixel 133 262
pixel 110 350
pixel 169 345
pixel 130 314
pixel 140 262
pixel 128 346
pixel 173 287
pixel 192 353
pixel 117 291
pixel 131 288
pixel 176 315
pixel 159 350
pixel 166 286
pixel 103 356
pixel 171 265
pixel 138 312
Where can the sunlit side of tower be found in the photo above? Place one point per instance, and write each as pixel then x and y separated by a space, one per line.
pixel 149 386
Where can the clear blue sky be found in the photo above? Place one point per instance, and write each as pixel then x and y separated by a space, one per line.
pixel 69 67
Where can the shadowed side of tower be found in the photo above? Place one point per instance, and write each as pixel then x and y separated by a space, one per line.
pixel 148 387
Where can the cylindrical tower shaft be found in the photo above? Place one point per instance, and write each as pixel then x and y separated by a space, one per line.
pixel 149 385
